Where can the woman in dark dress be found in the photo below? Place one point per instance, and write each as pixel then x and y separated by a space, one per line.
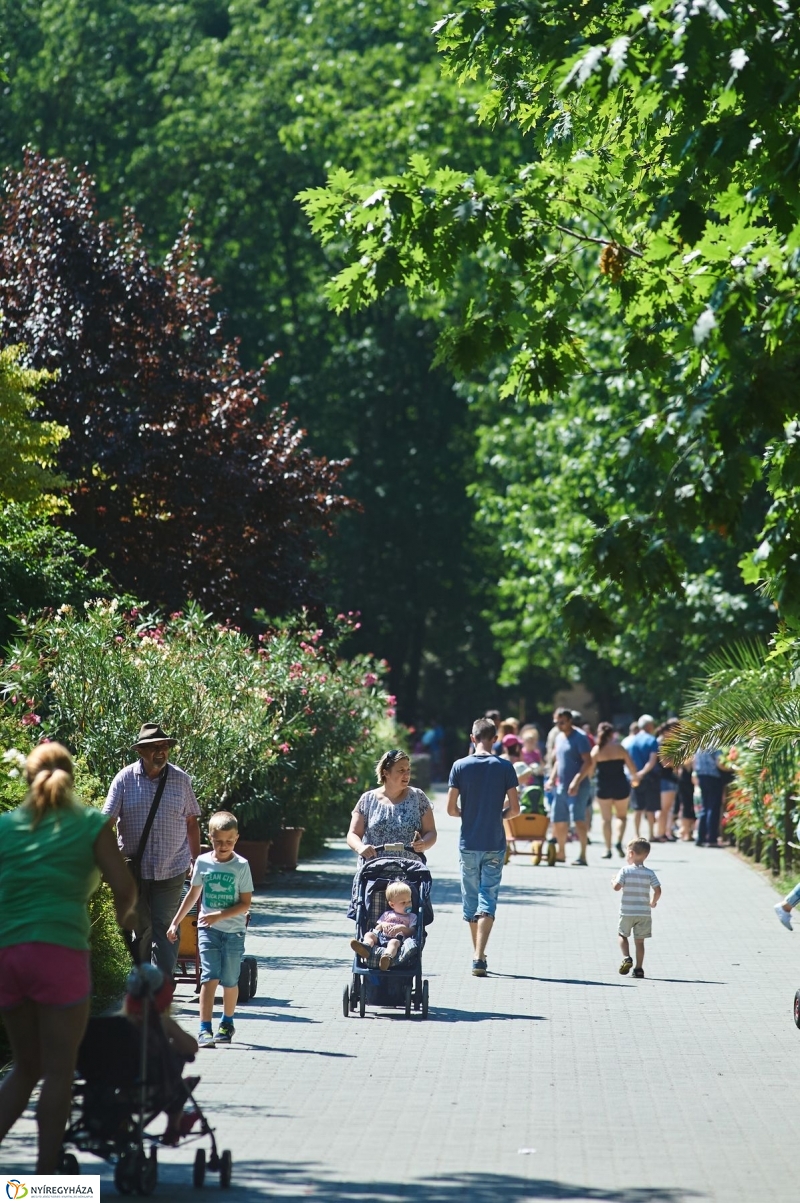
pixel 612 784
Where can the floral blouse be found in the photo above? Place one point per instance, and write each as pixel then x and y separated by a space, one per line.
pixel 393 822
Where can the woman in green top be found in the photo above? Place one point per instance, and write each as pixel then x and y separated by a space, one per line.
pixel 53 851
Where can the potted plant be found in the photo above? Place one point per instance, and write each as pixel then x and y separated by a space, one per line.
pixel 284 850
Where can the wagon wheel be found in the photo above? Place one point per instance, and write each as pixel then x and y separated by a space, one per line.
pixel 507 856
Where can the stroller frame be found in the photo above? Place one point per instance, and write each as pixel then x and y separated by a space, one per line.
pixel 136 1170
pixel 415 993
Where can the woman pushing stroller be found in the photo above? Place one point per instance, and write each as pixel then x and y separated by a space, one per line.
pixel 394 813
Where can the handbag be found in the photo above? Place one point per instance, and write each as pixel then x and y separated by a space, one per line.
pixel 134 863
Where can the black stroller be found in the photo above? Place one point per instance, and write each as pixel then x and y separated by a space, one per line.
pixel 127 1076
pixel 402 985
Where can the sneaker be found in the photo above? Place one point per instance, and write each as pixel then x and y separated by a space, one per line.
pixel 225 1033
pixel 638 972
pixel 784 916
pixel 206 1038
pixel 626 965
pixel 479 968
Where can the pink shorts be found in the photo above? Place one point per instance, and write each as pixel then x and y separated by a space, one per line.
pixel 48 974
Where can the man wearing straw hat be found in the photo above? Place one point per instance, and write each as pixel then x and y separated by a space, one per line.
pixel 156 813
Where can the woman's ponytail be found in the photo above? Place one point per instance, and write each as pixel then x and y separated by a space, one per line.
pixel 604 734
pixel 49 772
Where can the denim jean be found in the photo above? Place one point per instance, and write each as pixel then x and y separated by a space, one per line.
pixel 480 882
pixel 793 898
pixel 155 910
pixel 221 955
pixel 711 789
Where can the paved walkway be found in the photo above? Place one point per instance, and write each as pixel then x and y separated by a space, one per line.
pixel 554 1078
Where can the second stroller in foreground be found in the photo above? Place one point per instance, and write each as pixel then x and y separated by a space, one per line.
pixel 402 984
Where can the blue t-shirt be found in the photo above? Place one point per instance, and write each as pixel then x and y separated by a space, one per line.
pixel 641 748
pixel 570 751
pixel 483 782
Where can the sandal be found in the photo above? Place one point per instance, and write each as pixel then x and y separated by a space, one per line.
pixel 626 965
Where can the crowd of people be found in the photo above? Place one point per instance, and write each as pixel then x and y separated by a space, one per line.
pixel 624 773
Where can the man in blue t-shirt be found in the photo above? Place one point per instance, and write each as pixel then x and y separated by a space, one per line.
pixel 573 768
pixel 646 796
pixel 483 782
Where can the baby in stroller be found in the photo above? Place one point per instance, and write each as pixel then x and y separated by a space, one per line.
pixel 394 929
pixel 130 1071
pixel 167 1056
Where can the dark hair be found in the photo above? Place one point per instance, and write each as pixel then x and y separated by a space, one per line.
pixel 669 725
pixel 565 712
pixel 483 729
pixel 604 734
pixel 493 717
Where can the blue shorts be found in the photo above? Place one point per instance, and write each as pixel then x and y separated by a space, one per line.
pixel 221 955
pixel 480 882
pixel 571 809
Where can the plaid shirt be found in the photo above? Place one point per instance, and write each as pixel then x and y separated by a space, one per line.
pixel 129 800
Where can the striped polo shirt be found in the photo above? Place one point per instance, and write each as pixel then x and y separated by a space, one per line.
pixel 637 881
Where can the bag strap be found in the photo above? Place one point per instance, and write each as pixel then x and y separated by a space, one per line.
pixel 137 860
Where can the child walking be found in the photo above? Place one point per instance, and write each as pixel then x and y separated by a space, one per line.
pixel 224 884
pixel 635 911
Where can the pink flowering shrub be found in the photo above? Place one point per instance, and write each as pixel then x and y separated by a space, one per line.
pixel 282 729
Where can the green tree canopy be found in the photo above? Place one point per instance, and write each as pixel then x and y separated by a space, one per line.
pixel 28 448
pixel 658 197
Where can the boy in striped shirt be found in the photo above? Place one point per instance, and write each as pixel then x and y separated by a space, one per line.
pixel 635 918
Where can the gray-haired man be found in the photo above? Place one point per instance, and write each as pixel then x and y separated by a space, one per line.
pixel 172 845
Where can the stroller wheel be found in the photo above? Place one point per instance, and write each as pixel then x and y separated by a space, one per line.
pixel 346 1002
pixel 225 1168
pixel 253 977
pixel 425 999
pixel 68 1163
pixel 362 1002
pixel 146 1173
pixel 408 1001
pixel 797 1008
pixel 124 1174
pixel 199 1171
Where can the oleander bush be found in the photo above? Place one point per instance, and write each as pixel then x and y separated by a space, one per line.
pixel 279 729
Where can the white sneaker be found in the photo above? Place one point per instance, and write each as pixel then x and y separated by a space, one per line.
pixel 784 916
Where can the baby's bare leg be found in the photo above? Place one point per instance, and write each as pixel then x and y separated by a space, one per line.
pixel 364 947
pixel 392 949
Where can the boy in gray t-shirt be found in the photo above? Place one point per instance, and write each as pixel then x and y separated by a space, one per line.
pixel 635 910
pixel 223 883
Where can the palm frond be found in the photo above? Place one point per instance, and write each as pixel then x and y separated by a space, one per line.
pixel 741 699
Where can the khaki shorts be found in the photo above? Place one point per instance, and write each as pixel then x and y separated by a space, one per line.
pixel 638 926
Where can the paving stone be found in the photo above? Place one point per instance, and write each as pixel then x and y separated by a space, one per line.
pixel 553 1078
